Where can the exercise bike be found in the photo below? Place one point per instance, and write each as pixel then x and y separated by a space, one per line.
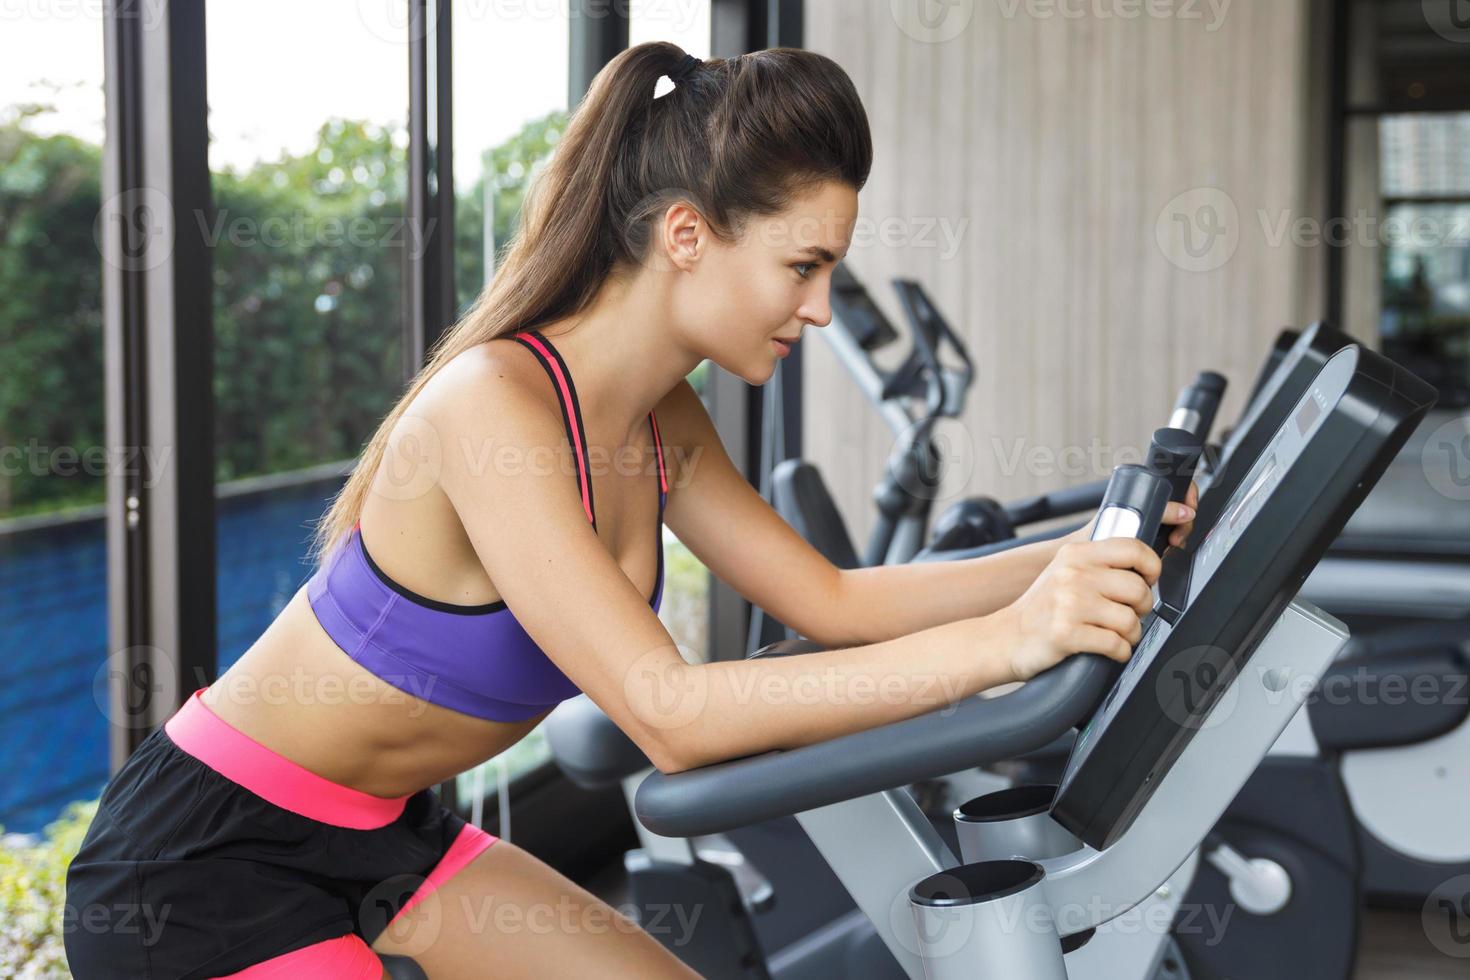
pixel 1356 750
pixel 1343 759
pixel 929 384
pixel 1086 878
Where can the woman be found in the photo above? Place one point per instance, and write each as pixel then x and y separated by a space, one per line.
pixel 497 551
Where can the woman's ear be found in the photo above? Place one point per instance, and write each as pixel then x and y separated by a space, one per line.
pixel 683 235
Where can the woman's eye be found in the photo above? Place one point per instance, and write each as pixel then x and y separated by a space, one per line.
pixel 807 266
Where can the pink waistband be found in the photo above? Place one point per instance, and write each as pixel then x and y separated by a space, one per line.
pixel 273 777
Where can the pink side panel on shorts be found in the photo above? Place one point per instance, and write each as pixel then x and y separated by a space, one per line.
pixel 468 844
pixel 343 958
pixel 271 776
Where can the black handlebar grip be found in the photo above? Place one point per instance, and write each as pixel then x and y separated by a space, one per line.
pixel 1173 455
pixel 1199 402
pixel 1133 505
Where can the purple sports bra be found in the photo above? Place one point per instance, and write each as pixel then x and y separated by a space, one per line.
pixel 474 659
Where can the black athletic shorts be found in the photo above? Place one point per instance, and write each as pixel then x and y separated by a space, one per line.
pixel 212 856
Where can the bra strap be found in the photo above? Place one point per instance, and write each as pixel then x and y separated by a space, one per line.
pixel 658 452
pixel 571 410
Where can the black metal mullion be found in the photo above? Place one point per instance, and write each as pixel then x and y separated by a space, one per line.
pixel 785 28
pixel 598 33
pixel 429 287
pixel 158 341
pixel 1434 199
pixel 125 386
pixel 1337 122
pixel 430 300
pixel 1432 108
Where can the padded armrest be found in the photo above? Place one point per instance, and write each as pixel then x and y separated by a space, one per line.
pixel 802 499
pixel 589 747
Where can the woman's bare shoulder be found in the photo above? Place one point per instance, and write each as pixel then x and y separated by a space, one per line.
pixel 499 376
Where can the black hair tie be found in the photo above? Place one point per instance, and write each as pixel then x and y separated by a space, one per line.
pixel 683 69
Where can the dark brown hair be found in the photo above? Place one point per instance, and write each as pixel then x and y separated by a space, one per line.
pixel 736 138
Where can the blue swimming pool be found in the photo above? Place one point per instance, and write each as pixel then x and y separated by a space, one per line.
pixel 53 631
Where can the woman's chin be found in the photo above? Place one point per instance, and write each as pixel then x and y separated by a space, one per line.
pixel 755 369
pixel 752 373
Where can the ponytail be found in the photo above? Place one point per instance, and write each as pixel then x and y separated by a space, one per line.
pixel 735 138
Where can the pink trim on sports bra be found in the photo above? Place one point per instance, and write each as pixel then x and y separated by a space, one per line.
pixel 553 364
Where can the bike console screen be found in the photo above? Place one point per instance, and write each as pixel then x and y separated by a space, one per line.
pixel 1247 566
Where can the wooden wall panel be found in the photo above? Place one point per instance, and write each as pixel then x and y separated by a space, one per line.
pixel 1055 146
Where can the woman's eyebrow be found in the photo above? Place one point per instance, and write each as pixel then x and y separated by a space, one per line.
pixel 818 251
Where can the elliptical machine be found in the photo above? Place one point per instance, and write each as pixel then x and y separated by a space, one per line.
pixel 929 384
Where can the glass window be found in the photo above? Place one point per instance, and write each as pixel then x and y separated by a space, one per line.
pixel 309 182
pixel 510 108
pixel 53 570
pixel 1405 262
pixel 1425 182
pixel 684 22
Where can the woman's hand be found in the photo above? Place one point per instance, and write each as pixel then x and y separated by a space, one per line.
pixel 1180 516
pixel 1090 599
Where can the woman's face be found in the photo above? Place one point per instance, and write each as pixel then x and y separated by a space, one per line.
pixel 740 299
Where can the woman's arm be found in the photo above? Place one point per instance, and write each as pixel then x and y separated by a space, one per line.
pixel 720 517
pixel 527 526
pixel 727 525
pixel 891 600
pixel 1090 597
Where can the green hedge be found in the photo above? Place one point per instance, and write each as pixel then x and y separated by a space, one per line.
pixel 33 893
